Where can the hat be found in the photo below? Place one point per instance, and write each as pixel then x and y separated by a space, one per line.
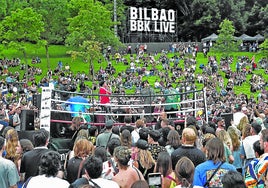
pixel 142 144
pixel 109 124
pixel 257 127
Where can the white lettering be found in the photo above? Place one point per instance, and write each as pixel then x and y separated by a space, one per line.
pixel 133 25
pixel 163 15
pixel 133 13
pixel 140 13
pixel 156 29
pixel 140 25
pixel 171 15
pixel 154 14
pixel 172 27
pixel 162 20
pixel 147 26
pixel 145 14
pixel 166 26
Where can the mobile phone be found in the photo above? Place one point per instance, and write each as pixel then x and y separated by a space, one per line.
pixel 154 180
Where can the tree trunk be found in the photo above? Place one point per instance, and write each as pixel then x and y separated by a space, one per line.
pixel 26 74
pixel 47 54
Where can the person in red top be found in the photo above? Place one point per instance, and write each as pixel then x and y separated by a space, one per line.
pixel 104 94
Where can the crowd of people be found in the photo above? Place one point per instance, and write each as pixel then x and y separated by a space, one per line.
pixel 128 156
pixel 167 154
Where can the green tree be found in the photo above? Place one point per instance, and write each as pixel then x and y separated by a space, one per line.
pixel 54 14
pixel 206 17
pixel 90 30
pixel 226 41
pixel 22 26
pixel 264 48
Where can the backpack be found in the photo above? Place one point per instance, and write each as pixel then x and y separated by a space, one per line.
pixel 251 178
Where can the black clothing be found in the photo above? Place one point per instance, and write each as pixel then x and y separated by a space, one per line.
pixel 72 169
pixel 193 153
pixel 144 171
pixel 30 162
pixel 155 149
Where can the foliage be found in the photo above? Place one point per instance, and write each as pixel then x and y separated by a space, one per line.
pixel 226 42
pixel 54 14
pixel 24 25
pixel 264 48
pixel 92 20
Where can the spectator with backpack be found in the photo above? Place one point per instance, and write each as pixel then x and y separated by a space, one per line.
pixel 209 173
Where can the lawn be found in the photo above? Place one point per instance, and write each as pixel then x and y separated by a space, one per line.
pixel 58 53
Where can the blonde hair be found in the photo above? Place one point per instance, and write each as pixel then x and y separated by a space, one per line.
pixel 246 131
pixel 12 141
pixel 224 136
pixel 189 135
pixel 243 121
pixel 146 159
pixel 234 137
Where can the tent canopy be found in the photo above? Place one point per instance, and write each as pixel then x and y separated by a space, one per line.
pixel 259 37
pixel 212 37
pixel 246 37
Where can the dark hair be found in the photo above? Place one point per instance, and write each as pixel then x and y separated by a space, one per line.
pixel 101 153
pixel 50 164
pixel 173 139
pixel 143 133
pixel 163 140
pixel 116 130
pixel 184 171
pixel 264 134
pixel 140 184
pixel 191 121
pixel 26 145
pixel 125 138
pixel 233 179
pixel 122 154
pixel 92 130
pixel 2 142
pixel 155 135
pixel 101 83
pixel 93 166
pixel 164 163
pixel 112 144
pixel 5 130
pixel 40 137
pixel 257 148
pixel 215 150
pixel 127 119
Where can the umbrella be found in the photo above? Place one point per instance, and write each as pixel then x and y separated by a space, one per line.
pixel 78 105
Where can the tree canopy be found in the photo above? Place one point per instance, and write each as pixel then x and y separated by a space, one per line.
pixel 226 42
pixel 195 18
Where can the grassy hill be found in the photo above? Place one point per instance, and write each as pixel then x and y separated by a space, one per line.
pixel 58 53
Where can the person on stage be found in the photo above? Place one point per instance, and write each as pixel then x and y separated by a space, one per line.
pixel 105 93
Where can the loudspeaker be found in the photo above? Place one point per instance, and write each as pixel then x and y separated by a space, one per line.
pixel 37 100
pixel 27 120
pixel 227 118
pixel 56 128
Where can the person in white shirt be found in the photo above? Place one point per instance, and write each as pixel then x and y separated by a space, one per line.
pixel 50 165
